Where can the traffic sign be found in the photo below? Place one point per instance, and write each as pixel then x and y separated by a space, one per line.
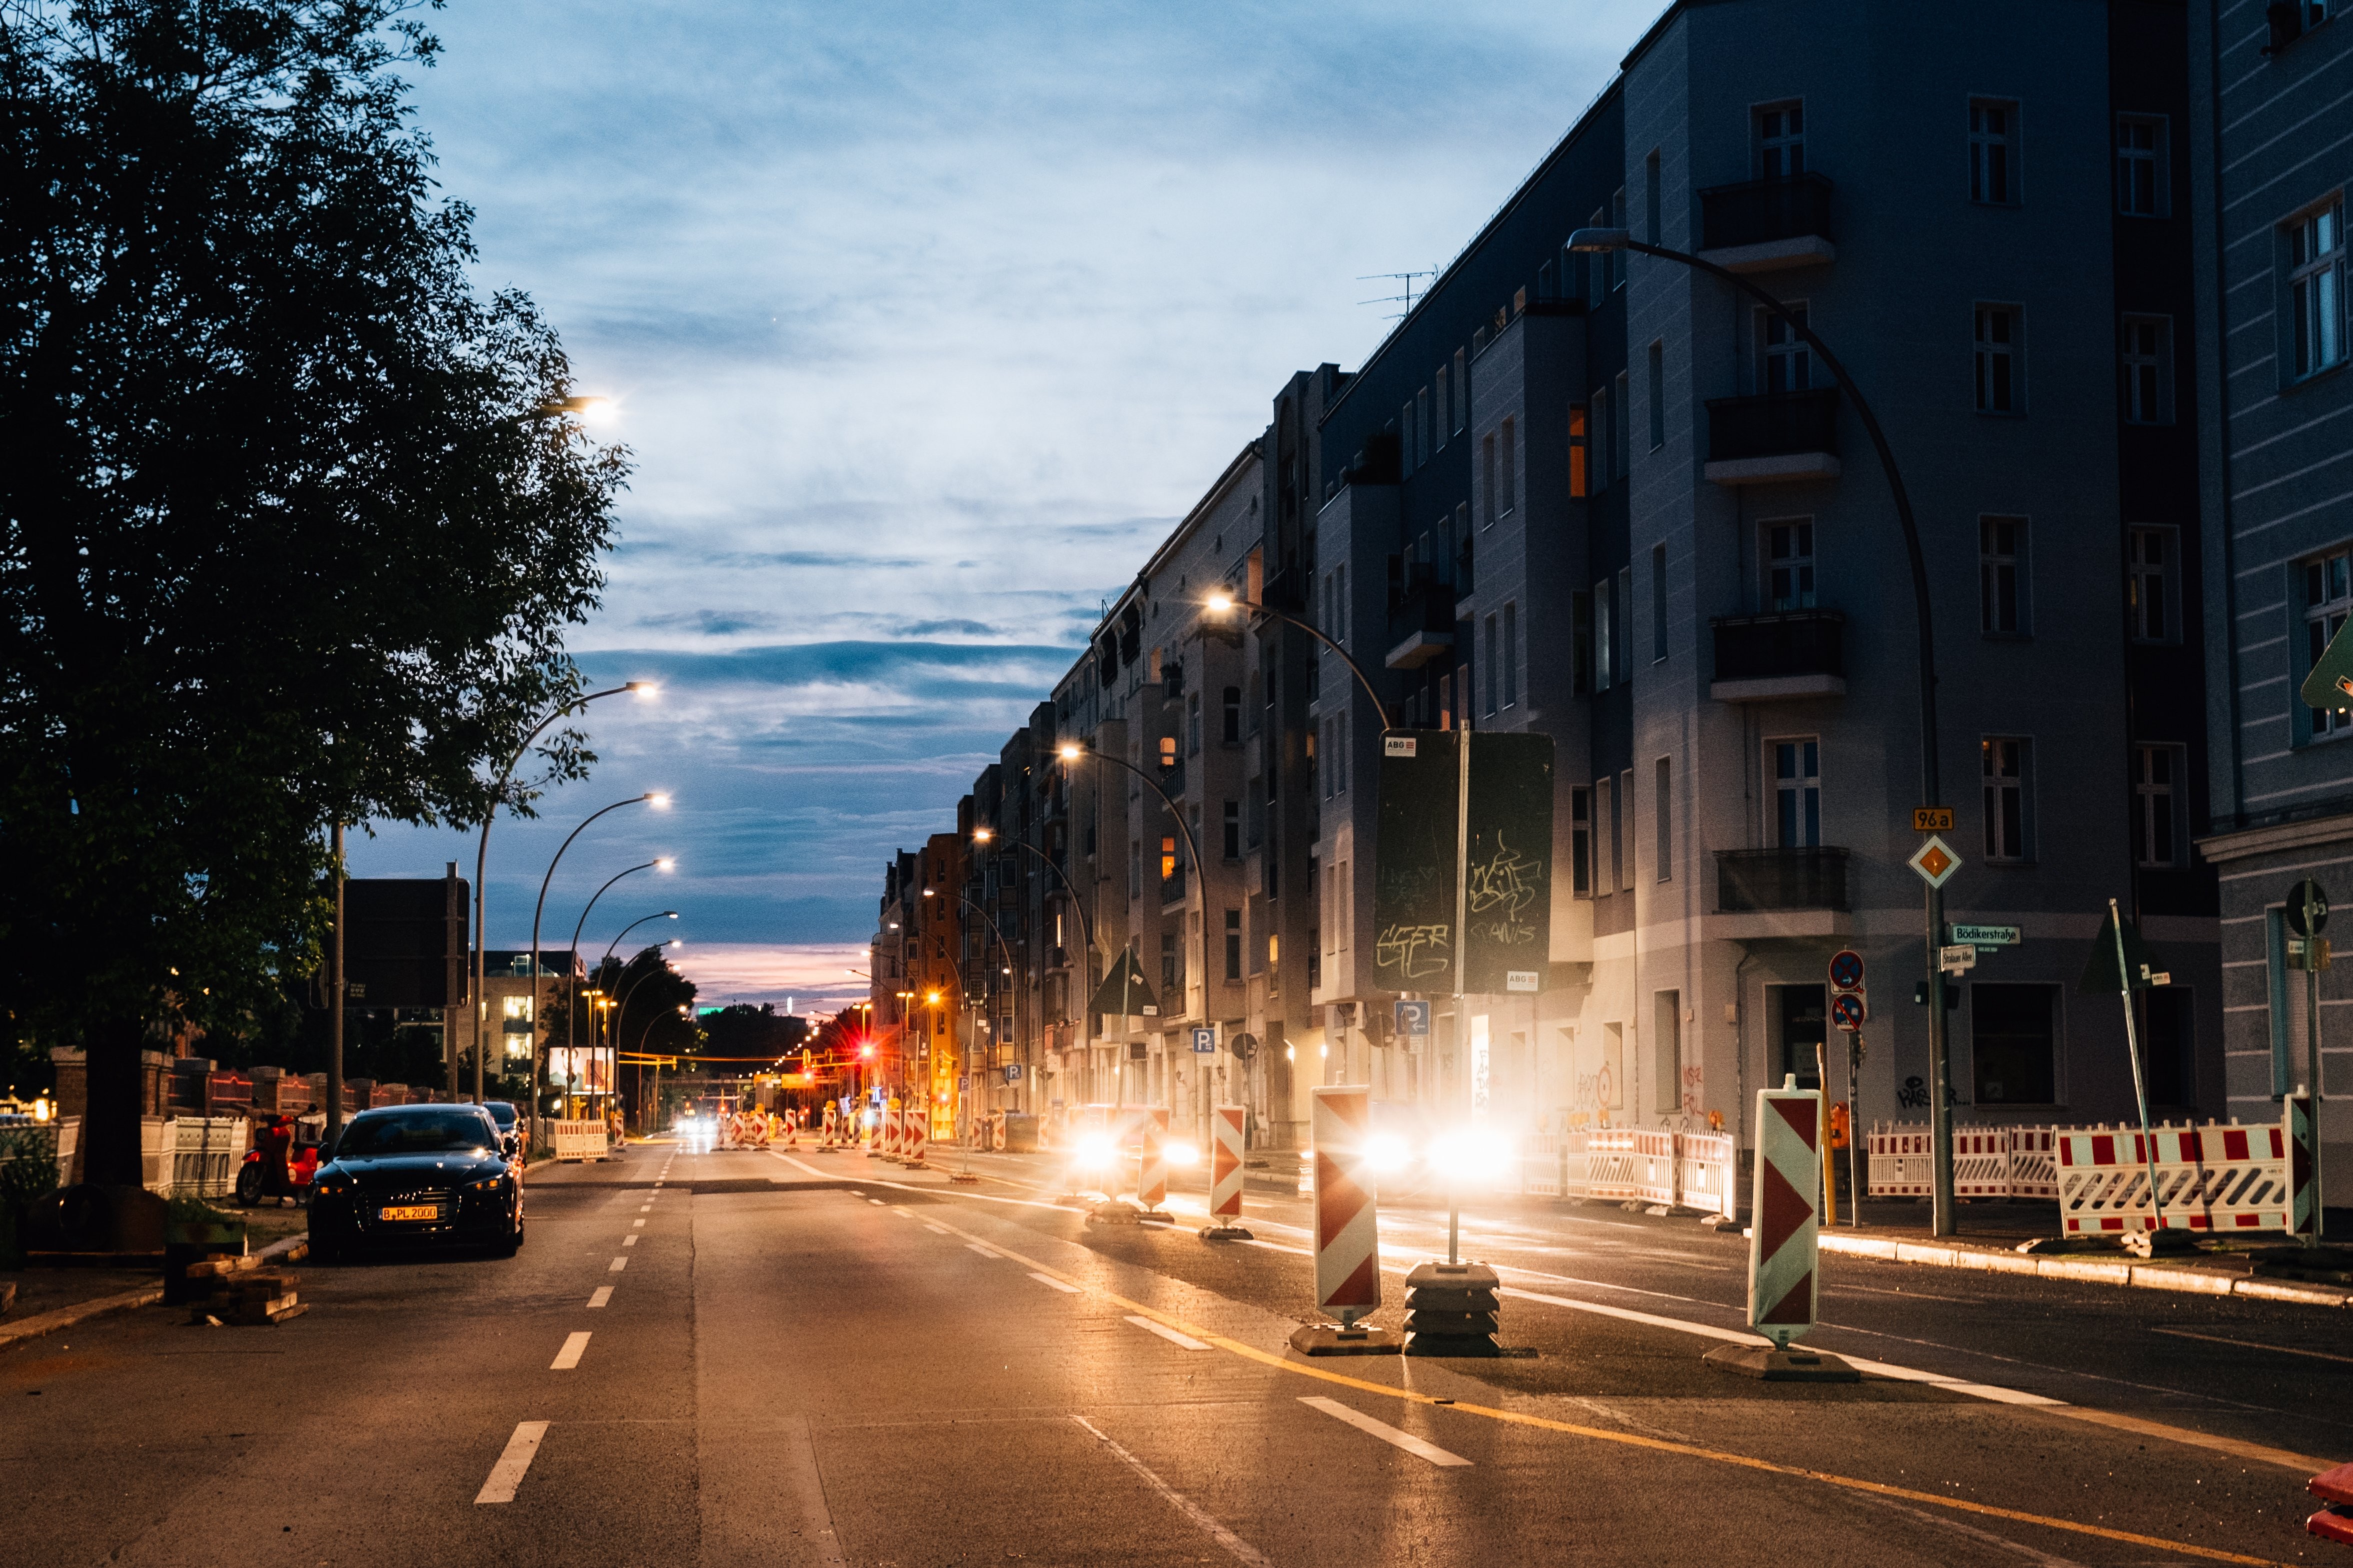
pixel 2330 682
pixel 1932 819
pixel 1244 1045
pixel 1956 958
pixel 1846 1011
pixel 2304 892
pixel 1412 1018
pixel 1846 970
pixel 1013 1072
pixel 1936 861
pixel 1205 1042
pixel 1987 936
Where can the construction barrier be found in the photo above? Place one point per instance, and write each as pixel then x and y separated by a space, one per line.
pixel 1347 1232
pixel 1901 1164
pixel 2213 1177
pixel 1783 1238
pixel 1631 1165
pixel 1706 1166
pixel 914 1133
pixel 578 1140
pixel 2034 1163
pixel 1981 1162
pixel 1541 1162
pixel 2295 1116
pixel 203 1152
pixel 1152 1159
pixel 1686 1170
pixel 892 1116
pixel 1226 1162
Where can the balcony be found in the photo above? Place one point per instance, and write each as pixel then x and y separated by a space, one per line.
pixel 1764 226
pixel 1421 616
pixel 1752 880
pixel 1786 654
pixel 1775 438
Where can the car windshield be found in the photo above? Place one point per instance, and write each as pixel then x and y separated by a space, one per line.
pixel 425 1134
pixel 502 1113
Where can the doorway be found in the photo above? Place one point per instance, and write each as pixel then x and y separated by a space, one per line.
pixel 1801 1018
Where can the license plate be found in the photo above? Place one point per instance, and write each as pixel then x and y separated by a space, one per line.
pixel 410 1211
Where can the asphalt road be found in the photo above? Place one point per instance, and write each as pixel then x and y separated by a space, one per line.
pixel 824 1360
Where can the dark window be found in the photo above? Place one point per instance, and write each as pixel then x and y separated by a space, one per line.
pixel 1233 944
pixel 2141 183
pixel 1658 602
pixel 1658 396
pixel 2014 1043
pixel 1993 151
pixel 1788 361
pixel 2315 260
pixel 1781 141
pixel 2156 804
pixel 2002 761
pixel 1803 1026
pixel 2328 595
pixel 2166 1011
pixel 1233 826
pixel 2001 575
pixel 2146 363
pixel 1580 842
pixel 1232 732
pixel 2149 589
pixel 1999 386
pixel 1797 793
pixel 1790 565
pixel 1662 813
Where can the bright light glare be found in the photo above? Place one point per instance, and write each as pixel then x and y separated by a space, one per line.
pixel 982 836
pixel 1181 1155
pixel 1386 1153
pixel 1220 603
pixel 1094 1152
pixel 666 863
pixel 1467 1156
pixel 1069 753
pixel 659 800
pixel 643 688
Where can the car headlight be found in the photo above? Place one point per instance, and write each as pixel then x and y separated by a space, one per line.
pixel 488 1184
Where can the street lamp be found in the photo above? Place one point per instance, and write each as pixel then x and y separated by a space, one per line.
pixel 572 958
pixel 660 802
pixel 1940 1091
pixel 482 857
pixel 1222 604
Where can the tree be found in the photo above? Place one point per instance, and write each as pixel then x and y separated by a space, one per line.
pixel 294 525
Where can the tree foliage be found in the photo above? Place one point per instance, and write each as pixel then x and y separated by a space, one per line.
pixel 292 533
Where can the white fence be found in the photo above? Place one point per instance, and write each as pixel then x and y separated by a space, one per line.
pixel 579 1140
pixel 1688 1170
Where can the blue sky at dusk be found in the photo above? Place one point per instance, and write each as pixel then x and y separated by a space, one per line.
pixel 924 323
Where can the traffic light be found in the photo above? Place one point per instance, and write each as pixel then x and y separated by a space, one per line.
pixel 1839 1124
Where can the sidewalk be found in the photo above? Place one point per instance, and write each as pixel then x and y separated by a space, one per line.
pixel 48 1300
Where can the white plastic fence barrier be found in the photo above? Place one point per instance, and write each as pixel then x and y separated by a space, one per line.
pixel 1706 1164
pixel 1630 1164
pixel 1689 1170
pixel 2213 1177
pixel 579 1140
pixel 203 1154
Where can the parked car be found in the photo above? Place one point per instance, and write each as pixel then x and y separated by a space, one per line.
pixel 510 1123
pixel 417 1175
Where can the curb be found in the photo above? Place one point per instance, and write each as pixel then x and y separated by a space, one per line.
pixel 42 1323
pixel 2084 1271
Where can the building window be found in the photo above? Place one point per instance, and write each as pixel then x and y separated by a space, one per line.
pixel 1600 440
pixel 2147 361
pixel 2013 1046
pixel 1658 390
pixel 1621 645
pixel 1233 826
pixel 2316 260
pixel 1580 481
pixel 1233 945
pixel 1462 391
pixel 1781 141
pixel 1339 754
pixel 1604 801
pixel 1170 961
pixel 1993 151
pixel 1507 461
pixel 1487 658
pixel 1231 726
pixel 1658 602
pixel 1405 436
pixel 1580 644
pixel 2156 817
pixel 1168 750
pixel 1604 612
pixel 1797 793
pixel 2328 596
pixel 1662 813
pixel 1790 565
pixel 1445 418
pixel 2000 388
pixel 2150 587
pixel 1580 842
pixel 2001 576
pixel 1785 363
pixel 1487 479
pixel 1511 653
pixel 2002 761
pixel 2142 188
pixel 1625 820
pixel 1621 453
pixel 1169 858
pixel 1424 434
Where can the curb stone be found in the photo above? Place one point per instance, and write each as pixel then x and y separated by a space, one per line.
pixel 2141 1276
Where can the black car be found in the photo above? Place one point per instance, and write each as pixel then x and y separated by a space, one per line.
pixel 417 1175
pixel 510 1125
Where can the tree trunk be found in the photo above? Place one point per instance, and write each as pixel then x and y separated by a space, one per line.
pixel 110 1127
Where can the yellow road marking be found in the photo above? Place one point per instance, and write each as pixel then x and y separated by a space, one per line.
pixel 1634 1440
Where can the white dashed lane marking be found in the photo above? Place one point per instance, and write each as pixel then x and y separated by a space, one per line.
pixel 976 1246
pixel 1057 1284
pixel 1165 1332
pixel 602 1294
pixel 507 1474
pixel 576 1345
pixel 1382 1429
pixel 618 1263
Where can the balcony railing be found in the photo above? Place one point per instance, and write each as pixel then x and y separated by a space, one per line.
pixel 1772 425
pixel 1782 643
pixel 1748 880
pixel 1759 212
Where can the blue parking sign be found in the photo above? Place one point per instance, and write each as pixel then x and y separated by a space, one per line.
pixel 1205 1042
pixel 1013 1072
pixel 1413 1019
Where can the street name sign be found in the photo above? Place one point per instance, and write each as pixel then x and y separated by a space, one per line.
pixel 1955 959
pixel 1935 861
pixel 1987 936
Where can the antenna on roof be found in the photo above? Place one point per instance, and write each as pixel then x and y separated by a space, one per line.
pixel 1405 299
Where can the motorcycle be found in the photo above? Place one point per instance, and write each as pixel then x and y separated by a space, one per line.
pixel 279 1167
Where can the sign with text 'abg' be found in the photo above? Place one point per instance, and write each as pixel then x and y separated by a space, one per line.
pixel 1501 886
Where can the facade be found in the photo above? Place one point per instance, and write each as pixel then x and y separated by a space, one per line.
pixel 2272 347
pixel 1608 499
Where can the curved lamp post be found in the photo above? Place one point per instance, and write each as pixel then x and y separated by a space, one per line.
pixel 1223 604
pixel 1086 932
pixel 572 965
pixel 1070 752
pixel 660 802
pixel 1939 1086
pixel 482 844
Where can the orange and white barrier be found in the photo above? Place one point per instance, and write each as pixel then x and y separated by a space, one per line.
pixel 2208 1178
pixel 2295 1118
pixel 1784 1237
pixel 1348 1220
pixel 914 1133
pixel 1629 1165
pixel 1152 1162
pixel 1226 1162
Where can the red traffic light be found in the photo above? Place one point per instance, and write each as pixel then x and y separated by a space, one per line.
pixel 867 1049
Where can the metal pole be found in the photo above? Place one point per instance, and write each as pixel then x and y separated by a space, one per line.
pixel 2132 1049
pixel 336 993
pixel 2313 910
pixel 530 1111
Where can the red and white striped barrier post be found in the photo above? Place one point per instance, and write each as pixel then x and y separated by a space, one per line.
pixel 824 1144
pixel 914 1133
pixel 1784 1242
pixel 2295 1132
pixel 1152 1163
pixel 1347 1228
pixel 1225 1176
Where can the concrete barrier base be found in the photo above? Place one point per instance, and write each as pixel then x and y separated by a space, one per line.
pixel 1224 1233
pixel 1769 1366
pixel 1331 1339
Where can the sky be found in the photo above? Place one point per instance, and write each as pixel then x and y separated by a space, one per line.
pixel 924 323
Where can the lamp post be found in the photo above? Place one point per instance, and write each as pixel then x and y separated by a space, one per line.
pixel 1940 1091
pixel 572 961
pixel 490 812
pixel 1070 752
pixel 1086 931
pixel 660 802
pixel 1222 604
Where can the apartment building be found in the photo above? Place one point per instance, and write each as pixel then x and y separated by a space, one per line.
pixel 1607 499
pixel 2268 194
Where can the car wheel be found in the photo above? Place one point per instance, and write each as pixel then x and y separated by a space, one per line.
pixel 248 1185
